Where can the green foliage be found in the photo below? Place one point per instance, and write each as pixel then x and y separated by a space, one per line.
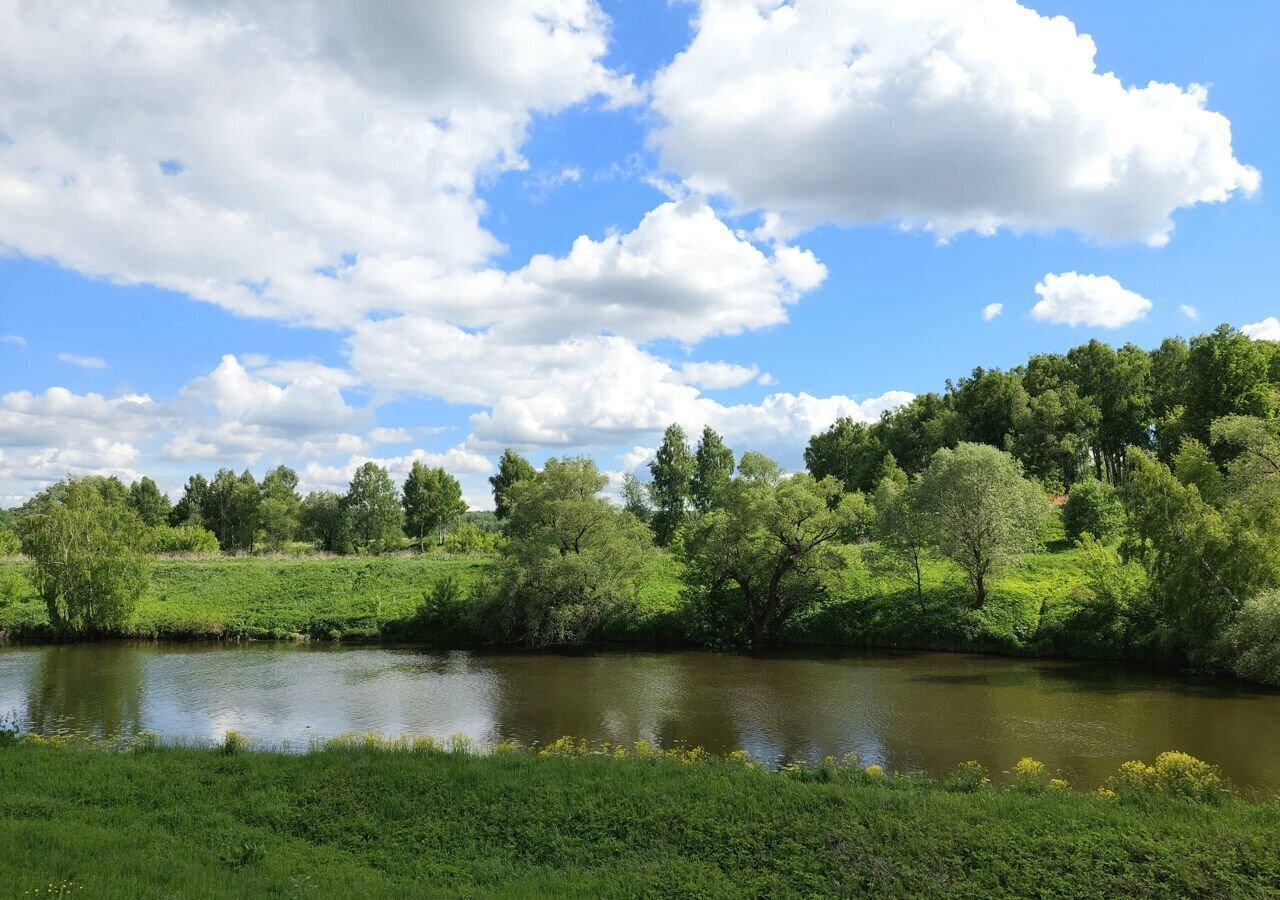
pixel 671 484
pixel 432 500
pixel 1202 562
pixel 512 469
pixel 901 532
pixel 1250 644
pixel 1093 508
pixel 712 470
pixel 1174 774
pixel 847 451
pixel 189 510
pixel 280 511
pixel 145 498
pixel 180 539
pixel 467 538
pixel 10 543
pixel 354 820
pixel 372 510
pixel 323 521
pixel 980 512
pixel 572 561
pixel 89 566
pixel 1193 465
pixel 635 498
pixel 1227 375
pixel 762 555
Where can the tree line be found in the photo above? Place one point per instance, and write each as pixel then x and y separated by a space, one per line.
pixel 1166 466
pixel 1068 416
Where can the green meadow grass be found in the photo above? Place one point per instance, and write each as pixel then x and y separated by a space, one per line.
pixel 355 822
pixel 371 597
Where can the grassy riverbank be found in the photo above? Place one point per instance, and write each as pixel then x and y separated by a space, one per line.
pixel 364 598
pixel 360 822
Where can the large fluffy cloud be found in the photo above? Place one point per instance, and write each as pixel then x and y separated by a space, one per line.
pixel 245 153
pixel 680 273
pixel 1266 330
pixel 588 391
pixel 950 115
pixel 1075 299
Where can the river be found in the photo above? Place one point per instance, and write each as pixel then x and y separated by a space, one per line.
pixel 908 711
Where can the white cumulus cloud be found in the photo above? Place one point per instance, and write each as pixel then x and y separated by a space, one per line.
pixel 1075 299
pixel 1266 330
pixel 947 115
pixel 991 311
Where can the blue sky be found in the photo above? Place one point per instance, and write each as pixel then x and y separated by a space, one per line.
pixel 338 266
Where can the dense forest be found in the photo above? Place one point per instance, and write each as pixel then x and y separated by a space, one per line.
pixel 1154 476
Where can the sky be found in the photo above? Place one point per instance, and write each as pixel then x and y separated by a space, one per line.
pixel 317 232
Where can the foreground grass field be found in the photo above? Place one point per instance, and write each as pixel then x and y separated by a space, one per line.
pixel 360 822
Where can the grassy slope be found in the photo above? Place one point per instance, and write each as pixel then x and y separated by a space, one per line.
pixel 360 823
pixel 354 597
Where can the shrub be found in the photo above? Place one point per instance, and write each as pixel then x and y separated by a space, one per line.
pixel 1092 507
pixel 968 778
pixel 10 543
pixel 1175 774
pixel 467 538
pixel 234 742
pixel 1250 644
pixel 1030 775
pixel 181 539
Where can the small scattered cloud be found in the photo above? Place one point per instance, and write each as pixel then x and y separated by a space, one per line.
pixel 389 436
pixel 1266 330
pixel 766 380
pixel 16 339
pixel 84 362
pixel 1099 300
pixel 717 375
pixel 1190 312
pixel 991 311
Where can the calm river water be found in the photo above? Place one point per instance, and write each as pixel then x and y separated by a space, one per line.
pixel 906 711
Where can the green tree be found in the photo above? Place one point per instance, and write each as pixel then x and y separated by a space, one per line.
pixel 1093 508
pixel 372 509
pixel 324 521
pixel 754 561
pixel 189 510
pixel 901 533
pixel 848 452
pixel 1227 375
pixel 89 563
pixel 914 432
pixel 148 502
pixel 573 559
pixel 432 500
pixel 1201 562
pixel 512 469
pixel 987 403
pixel 712 470
pixel 1118 383
pixel 671 484
pixel 280 508
pixel 1194 465
pixel 635 498
pixel 246 512
pixel 981 513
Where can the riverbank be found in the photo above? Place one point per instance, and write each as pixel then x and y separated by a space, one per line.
pixel 370 598
pixel 359 822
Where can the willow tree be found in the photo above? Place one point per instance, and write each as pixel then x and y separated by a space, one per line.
pixel 89 563
pixel 760 556
pixel 979 511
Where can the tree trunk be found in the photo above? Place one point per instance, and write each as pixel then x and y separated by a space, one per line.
pixel 980 591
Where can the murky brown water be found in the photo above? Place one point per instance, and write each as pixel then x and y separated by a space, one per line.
pixel 910 711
